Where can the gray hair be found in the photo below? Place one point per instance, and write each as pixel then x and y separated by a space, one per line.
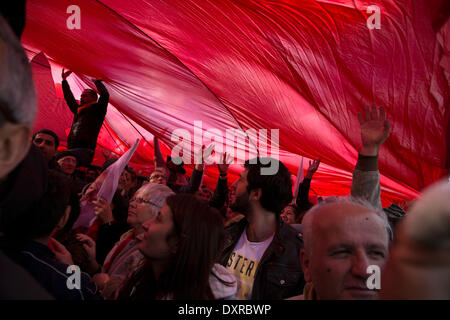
pixel 156 193
pixel 308 218
pixel 17 93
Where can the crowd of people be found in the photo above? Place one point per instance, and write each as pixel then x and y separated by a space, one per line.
pixel 168 237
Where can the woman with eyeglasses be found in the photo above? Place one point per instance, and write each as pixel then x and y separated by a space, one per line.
pixel 124 256
pixel 181 246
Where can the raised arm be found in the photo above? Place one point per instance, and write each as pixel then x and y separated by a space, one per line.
pixel 197 174
pixel 104 95
pixel 366 177
pixel 220 194
pixel 159 160
pixel 68 96
pixel 305 185
pixel 194 182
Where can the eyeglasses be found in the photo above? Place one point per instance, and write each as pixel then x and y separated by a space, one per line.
pixel 157 176
pixel 142 200
pixel 68 160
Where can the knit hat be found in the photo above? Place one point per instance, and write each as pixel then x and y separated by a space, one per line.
pixel 66 153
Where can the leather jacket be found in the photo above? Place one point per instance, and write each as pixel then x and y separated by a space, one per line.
pixel 86 122
pixel 279 274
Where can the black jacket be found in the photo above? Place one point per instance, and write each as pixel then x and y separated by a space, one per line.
pixel 192 186
pixel 302 200
pixel 21 192
pixel 108 235
pixel 41 263
pixel 86 123
pixel 220 194
pixel 279 274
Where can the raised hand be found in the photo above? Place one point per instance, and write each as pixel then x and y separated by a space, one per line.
pixel 88 245
pixel 313 166
pixel 64 75
pixel 201 156
pixel 61 253
pixel 226 161
pixel 374 130
pixel 103 211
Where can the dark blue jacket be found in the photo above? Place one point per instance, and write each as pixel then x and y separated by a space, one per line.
pixel 41 263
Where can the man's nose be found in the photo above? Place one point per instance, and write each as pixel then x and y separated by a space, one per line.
pixel 360 262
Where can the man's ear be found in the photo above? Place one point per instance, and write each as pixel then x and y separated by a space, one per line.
pixel 14 145
pixel 255 194
pixel 62 222
pixel 304 260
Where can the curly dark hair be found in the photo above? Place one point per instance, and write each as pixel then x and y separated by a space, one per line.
pixel 41 220
pixel 276 188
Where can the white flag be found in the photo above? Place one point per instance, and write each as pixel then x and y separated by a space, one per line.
pixel 113 173
pixel 87 215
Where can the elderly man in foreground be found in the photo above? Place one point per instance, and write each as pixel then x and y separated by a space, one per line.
pixel 342 238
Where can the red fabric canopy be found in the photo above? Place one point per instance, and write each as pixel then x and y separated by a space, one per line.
pixel 303 67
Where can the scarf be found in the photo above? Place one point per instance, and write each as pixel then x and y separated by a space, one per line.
pixel 85 106
pixel 308 291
